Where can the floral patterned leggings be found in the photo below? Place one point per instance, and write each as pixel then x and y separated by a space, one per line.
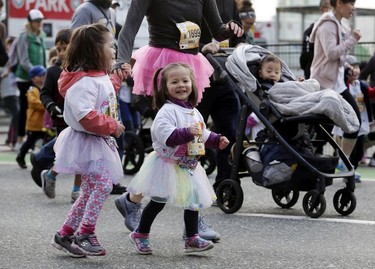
pixel 95 189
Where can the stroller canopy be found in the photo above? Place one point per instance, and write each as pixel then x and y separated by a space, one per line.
pixel 237 65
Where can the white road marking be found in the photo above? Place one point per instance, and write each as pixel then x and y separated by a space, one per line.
pixel 271 216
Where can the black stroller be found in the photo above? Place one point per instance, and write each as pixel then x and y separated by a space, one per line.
pixel 285 136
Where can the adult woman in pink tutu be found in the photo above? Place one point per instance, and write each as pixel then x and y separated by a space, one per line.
pixel 174 33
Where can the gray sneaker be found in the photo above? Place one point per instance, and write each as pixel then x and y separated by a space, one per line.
pixel 204 231
pixel 130 211
pixel 372 162
pixel 66 244
pixel 48 184
pixel 74 196
pixel 89 244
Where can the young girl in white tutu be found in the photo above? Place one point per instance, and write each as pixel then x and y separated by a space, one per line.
pixel 172 173
pixel 86 147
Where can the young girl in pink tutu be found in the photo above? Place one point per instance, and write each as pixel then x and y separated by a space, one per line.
pixel 86 147
pixel 172 172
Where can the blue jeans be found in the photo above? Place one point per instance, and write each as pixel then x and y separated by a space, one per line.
pixel 129 116
pixel 46 155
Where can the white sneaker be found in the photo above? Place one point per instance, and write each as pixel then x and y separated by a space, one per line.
pixel 74 196
pixel 48 184
pixel 372 162
pixel 17 147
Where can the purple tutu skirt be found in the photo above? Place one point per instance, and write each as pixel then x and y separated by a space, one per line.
pixel 149 59
pixel 82 153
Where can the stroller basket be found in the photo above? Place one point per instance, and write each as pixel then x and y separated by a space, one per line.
pixel 303 180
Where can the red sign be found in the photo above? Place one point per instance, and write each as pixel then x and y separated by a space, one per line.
pixel 51 9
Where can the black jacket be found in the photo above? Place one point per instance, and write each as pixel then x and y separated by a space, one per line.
pixel 228 12
pixel 369 70
pixel 307 53
pixel 50 95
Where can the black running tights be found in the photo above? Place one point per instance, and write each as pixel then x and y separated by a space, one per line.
pixel 154 208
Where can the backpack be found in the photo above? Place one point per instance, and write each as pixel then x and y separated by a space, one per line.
pixel 307 53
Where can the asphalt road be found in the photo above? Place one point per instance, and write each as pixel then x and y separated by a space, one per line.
pixel 260 235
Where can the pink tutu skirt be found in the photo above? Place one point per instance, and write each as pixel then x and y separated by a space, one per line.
pixel 164 181
pixel 82 153
pixel 149 59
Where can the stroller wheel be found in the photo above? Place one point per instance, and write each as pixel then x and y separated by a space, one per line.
pixel 229 196
pixel 314 204
pixel 344 202
pixel 134 153
pixel 208 161
pixel 285 198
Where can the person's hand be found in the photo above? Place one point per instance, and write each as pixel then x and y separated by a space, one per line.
pixel 236 29
pixel 119 130
pixel 55 112
pixel 357 34
pixel 223 142
pixel 123 70
pixel 194 129
pixel 5 74
pixel 212 47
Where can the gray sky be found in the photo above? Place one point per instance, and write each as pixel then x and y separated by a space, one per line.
pixel 266 9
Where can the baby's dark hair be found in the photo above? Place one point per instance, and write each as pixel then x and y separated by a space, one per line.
pixel 334 2
pixel 270 58
pixel 161 94
pixel 63 36
pixel 85 50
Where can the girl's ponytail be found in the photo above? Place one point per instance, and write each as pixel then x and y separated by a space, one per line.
pixel 158 99
pixel 155 80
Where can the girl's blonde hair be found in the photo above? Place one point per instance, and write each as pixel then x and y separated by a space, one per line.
pixel 161 94
pixel 86 48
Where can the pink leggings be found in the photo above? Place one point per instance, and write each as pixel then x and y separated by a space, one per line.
pixel 95 189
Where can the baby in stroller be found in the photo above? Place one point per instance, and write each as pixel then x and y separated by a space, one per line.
pixel 284 109
pixel 269 72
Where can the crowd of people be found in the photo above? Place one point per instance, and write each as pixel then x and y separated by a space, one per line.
pixel 84 96
pixel 333 67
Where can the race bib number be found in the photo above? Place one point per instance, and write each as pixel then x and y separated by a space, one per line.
pixel 360 102
pixel 190 34
pixel 222 44
pixel 196 147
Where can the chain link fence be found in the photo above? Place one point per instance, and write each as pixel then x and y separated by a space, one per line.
pixel 291 52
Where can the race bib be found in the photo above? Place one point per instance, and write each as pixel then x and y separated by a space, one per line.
pixel 360 102
pixel 222 44
pixel 196 147
pixel 190 34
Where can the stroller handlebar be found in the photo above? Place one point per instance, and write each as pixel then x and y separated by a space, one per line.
pixel 216 65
